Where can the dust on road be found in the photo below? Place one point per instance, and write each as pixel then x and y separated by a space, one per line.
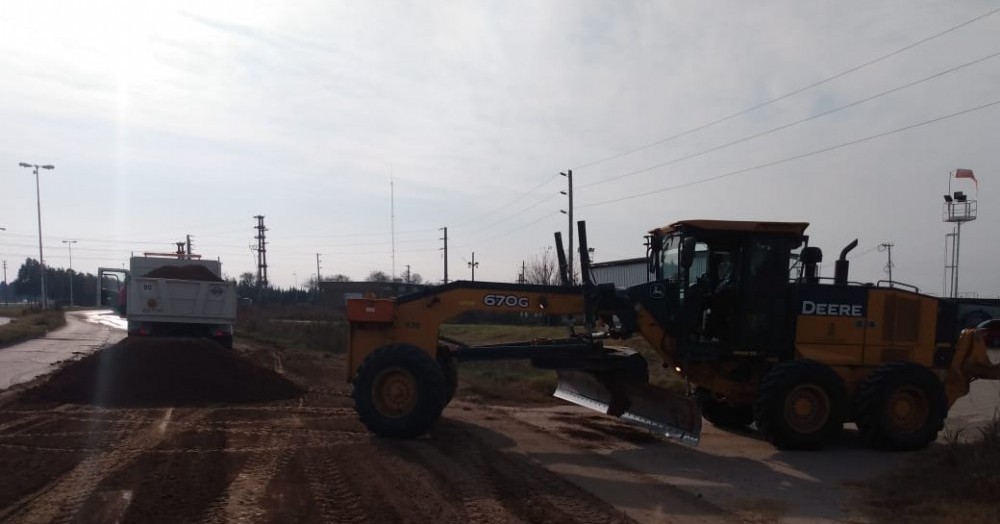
pixel 264 457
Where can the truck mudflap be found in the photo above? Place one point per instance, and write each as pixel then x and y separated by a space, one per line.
pixel 636 402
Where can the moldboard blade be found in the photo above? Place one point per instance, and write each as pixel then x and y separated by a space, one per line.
pixel 657 409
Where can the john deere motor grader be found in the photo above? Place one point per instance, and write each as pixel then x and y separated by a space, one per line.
pixel 737 308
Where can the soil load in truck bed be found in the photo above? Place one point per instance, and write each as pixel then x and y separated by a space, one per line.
pixel 192 272
pixel 163 371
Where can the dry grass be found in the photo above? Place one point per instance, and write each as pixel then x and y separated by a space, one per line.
pixel 957 483
pixel 29 324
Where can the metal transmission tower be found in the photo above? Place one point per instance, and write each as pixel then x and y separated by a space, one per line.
pixel 69 244
pixel 958 209
pixel 569 194
pixel 445 248
pixel 887 247
pixel 261 252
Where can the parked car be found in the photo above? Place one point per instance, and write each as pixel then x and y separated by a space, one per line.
pixel 992 332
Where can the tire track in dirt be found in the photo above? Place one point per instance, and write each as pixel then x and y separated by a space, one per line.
pixel 241 501
pixel 332 493
pixel 452 463
pixel 529 491
pixel 59 501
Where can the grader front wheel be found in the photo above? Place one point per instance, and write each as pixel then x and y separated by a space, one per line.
pixel 399 391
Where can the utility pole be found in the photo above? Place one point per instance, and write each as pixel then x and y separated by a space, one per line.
pixel 445 254
pixel 569 193
pixel 521 279
pixel 6 290
pixel 189 246
pixel 69 244
pixel 407 273
pixel 317 272
pixel 473 265
pixel 887 247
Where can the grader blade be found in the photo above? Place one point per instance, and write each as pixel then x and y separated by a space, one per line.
pixel 642 404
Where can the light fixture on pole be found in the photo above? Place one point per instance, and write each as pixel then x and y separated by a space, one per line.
pixel 69 244
pixel 958 209
pixel 38 198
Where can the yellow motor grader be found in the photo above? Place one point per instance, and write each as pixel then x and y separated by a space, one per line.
pixel 736 308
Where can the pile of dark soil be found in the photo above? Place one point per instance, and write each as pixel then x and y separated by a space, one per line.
pixel 192 272
pixel 144 372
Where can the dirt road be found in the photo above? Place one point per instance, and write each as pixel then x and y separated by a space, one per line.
pixel 304 459
pixel 191 433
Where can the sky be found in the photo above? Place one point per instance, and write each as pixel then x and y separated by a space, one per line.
pixel 359 129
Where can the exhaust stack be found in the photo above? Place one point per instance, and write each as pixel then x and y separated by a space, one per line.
pixel 842 265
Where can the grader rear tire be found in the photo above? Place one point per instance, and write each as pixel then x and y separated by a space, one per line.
pixel 449 366
pixel 801 404
pixel 399 391
pixel 901 407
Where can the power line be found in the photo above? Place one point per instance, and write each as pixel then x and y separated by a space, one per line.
pixel 790 93
pixel 514 200
pixel 796 157
pixel 792 124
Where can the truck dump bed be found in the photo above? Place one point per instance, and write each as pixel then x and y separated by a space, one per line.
pixel 188 301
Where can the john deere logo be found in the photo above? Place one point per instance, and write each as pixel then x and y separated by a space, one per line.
pixel 216 291
pixel 657 291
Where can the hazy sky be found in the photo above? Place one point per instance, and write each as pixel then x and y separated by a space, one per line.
pixel 171 118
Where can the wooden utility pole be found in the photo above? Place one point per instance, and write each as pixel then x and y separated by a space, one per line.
pixel 473 265
pixel 569 193
pixel 445 229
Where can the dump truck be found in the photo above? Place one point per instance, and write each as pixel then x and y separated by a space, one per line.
pixel 171 295
pixel 758 335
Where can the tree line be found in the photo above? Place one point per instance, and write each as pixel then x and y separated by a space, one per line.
pixel 26 287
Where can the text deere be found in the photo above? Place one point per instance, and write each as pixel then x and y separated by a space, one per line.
pixel 836 310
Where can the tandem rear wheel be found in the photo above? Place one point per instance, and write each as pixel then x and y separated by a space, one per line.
pixel 901 406
pixel 801 404
pixel 400 391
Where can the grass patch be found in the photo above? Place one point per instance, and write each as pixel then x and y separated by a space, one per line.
pixel 29 324
pixel 504 381
pixel 956 483
pixel 294 327
pixel 517 381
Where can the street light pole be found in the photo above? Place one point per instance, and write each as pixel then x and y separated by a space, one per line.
pixel 69 244
pixel 38 197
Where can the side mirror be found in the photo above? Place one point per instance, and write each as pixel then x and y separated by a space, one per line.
pixel 687 252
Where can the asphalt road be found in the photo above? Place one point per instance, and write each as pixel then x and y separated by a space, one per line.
pixel 85 332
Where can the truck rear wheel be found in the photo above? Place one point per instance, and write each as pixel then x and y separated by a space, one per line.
pixel 901 407
pixel 399 391
pixel 801 404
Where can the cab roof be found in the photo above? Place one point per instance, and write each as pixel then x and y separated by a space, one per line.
pixel 735 226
